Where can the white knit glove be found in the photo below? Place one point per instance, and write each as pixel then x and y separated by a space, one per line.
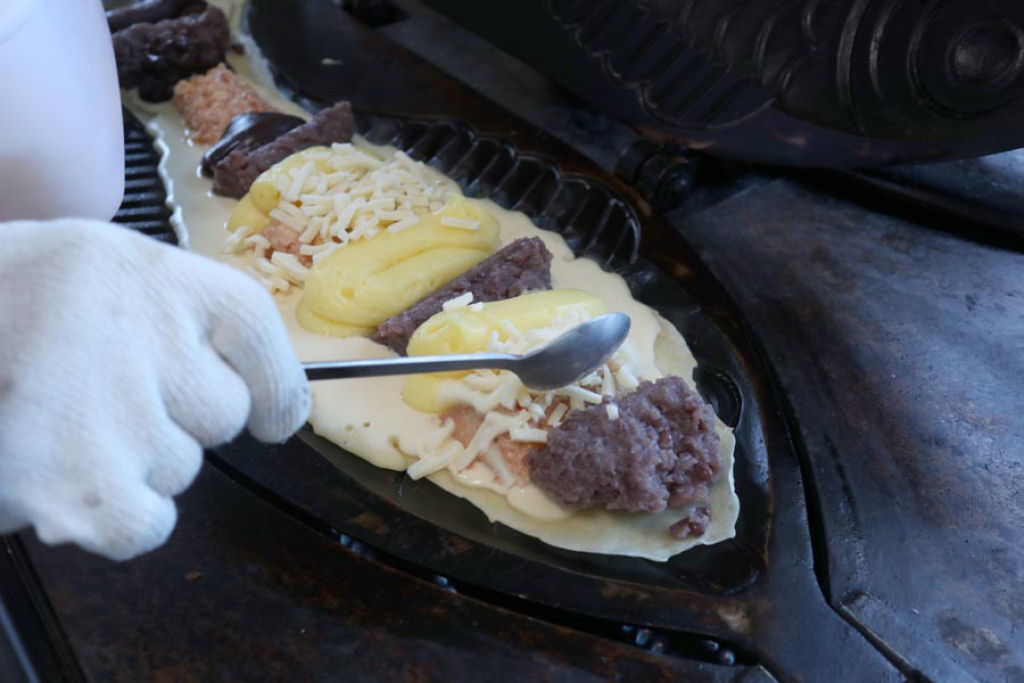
pixel 120 359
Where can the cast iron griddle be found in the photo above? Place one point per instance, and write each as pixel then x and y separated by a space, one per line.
pixel 250 587
pixel 826 591
pixel 838 83
pixel 715 590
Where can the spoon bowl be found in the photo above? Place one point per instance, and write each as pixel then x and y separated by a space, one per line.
pixel 573 354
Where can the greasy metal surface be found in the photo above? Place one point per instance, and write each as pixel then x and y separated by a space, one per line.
pixel 977 196
pixel 264 576
pixel 244 592
pixel 901 351
pixel 143 208
pixel 102 639
pixel 32 631
pixel 602 226
pixel 116 631
pixel 513 84
pixel 844 82
pixel 13 661
pixel 973 196
pixel 723 590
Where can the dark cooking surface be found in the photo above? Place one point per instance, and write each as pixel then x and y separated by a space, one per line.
pixel 897 348
pixel 695 591
pixel 901 350
pixel 837 83
pixel 244 592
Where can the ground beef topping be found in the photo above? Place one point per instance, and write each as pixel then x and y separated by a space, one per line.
pixel 153 57
pixel 286 240
pixel 661 451
pixel 694 524
pixel 513 453
pixel 522 266
pixel 209 101
pixel 233 175
pixel 246 132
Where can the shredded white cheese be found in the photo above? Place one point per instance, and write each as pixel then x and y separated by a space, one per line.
pixel 557 415
pixel 494 425
pixel 576 391
pixel 460 223
pixel 626 378
pixel 339 196
pixel 483 381
pixel 529 435
pixel 436 461
pixel 290 265
pixel 460 301
pixel 510 409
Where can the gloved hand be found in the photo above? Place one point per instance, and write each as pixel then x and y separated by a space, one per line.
pixel 120 359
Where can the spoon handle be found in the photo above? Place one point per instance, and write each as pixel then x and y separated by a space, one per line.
pixel 405 366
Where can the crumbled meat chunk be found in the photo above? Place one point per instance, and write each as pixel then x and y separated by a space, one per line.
pixel 233 175
pixel 694 524
pixel 522 266
pixel 209 101
pixel 514 453
pixel 466 421
pixel 153 57
pixel 285 239
pixel 661 452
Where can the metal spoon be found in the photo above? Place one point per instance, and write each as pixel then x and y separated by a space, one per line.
pixel 560 362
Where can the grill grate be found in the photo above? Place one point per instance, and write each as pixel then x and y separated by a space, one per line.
pixel 144 207
pixel 594 221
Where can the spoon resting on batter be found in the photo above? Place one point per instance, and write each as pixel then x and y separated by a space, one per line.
pixel 562 361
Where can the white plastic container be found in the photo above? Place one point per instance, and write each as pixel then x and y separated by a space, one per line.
pixel 61 135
